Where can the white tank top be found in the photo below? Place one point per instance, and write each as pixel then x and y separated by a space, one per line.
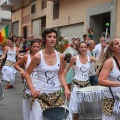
pixel 82 70
pixel 11 55
pixel 1 50
pixel 48 75
pixel 34 76
pixel 113 76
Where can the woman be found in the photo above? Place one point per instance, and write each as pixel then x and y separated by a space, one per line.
pixel 70 73
pixel 49 65
pixel 35 47
pixel 17 44
pixel 110 77
pixel 8 70
pixel 81 79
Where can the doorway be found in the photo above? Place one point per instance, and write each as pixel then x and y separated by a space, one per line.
pixel 97 23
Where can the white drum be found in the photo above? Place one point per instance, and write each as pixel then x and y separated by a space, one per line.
pixel 1 92
pixel 90 101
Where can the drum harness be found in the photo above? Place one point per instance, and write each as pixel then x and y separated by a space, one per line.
pixel 54 102
pixel 114 106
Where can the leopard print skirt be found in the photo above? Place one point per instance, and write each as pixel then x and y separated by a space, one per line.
pixel 50 100
pixel 81 83
pixel 9 63
pixel 108 104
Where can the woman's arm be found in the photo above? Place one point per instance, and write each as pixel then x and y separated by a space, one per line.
pixel 4 53
pixel 72 61
pixel 19 63
pixel 62 77
pixel 34 62
pixel 92 59
pixel 107 68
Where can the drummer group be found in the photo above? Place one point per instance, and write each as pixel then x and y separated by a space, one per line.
pixel 45 73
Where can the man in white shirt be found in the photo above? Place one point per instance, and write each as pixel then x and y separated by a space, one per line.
pixel 100 48
pixel 92 74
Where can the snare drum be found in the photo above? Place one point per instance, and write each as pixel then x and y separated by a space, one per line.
pixel 90 102
pixel 56 113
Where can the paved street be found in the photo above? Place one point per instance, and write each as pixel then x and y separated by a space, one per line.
pixel 11 105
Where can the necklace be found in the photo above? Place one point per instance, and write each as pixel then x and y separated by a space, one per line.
pixel 83 58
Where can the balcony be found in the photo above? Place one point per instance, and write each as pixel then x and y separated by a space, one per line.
pixel 8 4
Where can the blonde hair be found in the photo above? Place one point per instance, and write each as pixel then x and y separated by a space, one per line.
pixel 108 54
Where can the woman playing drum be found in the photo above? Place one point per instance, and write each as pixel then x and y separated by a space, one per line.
pixel 110 77
pixel 50 66
pixel 8 71
pixel 81 79
pixel 35 47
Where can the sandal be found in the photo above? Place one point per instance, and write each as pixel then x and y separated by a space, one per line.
pixel 9 86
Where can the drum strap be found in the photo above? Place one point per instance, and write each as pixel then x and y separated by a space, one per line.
pixel 116 62
pixel 119 69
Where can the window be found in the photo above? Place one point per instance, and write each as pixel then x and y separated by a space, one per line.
pixel 33 7
pixel 43 4
pixel 43 24
pixel 56 6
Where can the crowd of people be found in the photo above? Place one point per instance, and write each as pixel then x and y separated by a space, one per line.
pixel 45 71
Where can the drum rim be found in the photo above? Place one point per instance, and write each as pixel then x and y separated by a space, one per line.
pixel 88 88
pixel 67 111
pixel 56 107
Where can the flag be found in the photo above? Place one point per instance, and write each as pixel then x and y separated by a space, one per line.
pixel 4 34
pixel 0 37
pixel 7 31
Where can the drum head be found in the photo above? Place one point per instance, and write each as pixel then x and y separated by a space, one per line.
pixel 90 88
pixel 55 113
pixel 118 95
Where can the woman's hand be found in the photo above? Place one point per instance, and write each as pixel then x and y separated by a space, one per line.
pixel 35 93
pixel 67 93
pixel 22 72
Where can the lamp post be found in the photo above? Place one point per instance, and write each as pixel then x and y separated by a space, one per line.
pixel 107 26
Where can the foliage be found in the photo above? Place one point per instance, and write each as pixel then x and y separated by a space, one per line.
pixel 61 42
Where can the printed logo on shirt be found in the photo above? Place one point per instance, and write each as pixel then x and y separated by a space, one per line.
pixel 84 72
pixel 118 78
pixel 50 75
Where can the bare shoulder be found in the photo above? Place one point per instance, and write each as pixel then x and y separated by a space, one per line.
pixel 74 58
pixel 37 55
pixel 61 55
pixel 36 58
pixel 108 63
pixel 25 57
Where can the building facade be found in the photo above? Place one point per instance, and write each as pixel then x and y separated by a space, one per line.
pixel 70 17
pixel 5 19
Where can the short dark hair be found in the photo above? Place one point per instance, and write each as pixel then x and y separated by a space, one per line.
pixel 84 35
pixel 67 57
pixel 11 39
pixel 34 41
pixel 19 37
pixel 48 31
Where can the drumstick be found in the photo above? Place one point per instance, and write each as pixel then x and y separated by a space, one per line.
pixel 65 103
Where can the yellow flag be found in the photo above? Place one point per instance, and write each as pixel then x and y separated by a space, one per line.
pixel 3 35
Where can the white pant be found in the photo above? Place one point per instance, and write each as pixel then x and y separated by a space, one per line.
pixel 26 108
pixel 110 117
pixel 74 105
pixel 36 112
